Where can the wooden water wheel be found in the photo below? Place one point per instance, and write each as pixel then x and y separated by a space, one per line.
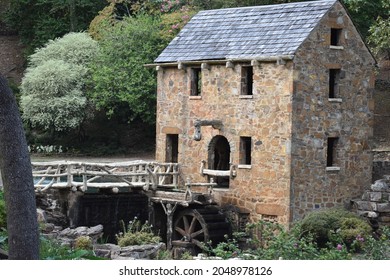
pixel 198 226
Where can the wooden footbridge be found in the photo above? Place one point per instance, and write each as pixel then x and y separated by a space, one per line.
pixel 192 217
pixel 161 180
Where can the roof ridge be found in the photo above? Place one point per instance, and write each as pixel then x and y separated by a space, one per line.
pixel 271 5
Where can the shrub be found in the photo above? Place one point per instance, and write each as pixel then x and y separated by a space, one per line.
pixel 321 224
pixel 52 89
pixel 83 243
pixel 137 234
pixel 377 248
pixel 53 250
pixel 352 228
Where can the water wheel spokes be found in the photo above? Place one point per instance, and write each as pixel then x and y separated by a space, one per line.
pixel 190 227
pixel 198 227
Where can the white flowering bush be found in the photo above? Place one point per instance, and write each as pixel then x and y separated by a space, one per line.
pixel 53 88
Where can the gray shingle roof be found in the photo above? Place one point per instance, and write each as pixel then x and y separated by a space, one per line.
pixel 247 32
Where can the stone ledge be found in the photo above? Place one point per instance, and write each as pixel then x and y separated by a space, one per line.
pixel 335 100
pixel 332 47
pixel 195 97
pixel 332 168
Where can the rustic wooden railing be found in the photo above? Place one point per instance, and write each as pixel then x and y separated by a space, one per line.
pixel 83 175
pixel 232 172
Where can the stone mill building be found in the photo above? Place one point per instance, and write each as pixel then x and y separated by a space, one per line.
pixel 273 103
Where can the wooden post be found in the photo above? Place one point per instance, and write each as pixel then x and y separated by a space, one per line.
pixel 69 176
pixel 84 188
pixel 169 211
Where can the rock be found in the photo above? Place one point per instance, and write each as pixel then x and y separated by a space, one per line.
pixel 108 250
pixel 68 235
pixel 148 251
pixel 41 216
pixel 114 252
pixel 368 214
pixel 380 185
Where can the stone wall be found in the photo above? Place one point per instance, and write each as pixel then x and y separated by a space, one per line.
pixel 289 118
pixel 349 117
pixel 261 188
pixel 380 169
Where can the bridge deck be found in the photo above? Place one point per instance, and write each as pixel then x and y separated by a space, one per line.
pixel 118 177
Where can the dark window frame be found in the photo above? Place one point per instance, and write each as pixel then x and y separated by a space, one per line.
pixel 172 148
pixel 196 81
pixel 331 153
pixel 247 80
pixel 334 83
pixel 245 150
pixel 335 36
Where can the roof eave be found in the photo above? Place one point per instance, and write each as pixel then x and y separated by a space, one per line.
pixel 275 58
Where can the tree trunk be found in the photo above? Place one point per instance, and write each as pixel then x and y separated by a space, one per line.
pixel 15 166
pixel 72 15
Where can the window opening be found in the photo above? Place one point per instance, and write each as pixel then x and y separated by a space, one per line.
pixel 335 34
pixel 334 83
pixel 332 151
pixel 196 81
pixel 245 150
pixel 172 148
pixel 247 80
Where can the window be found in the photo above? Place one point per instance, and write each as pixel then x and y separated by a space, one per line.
pixel 245 150
pixel 196 81
pixel 172 148
pixel 334 83
pixel 246 80
pixel 331 157
pixel 335 34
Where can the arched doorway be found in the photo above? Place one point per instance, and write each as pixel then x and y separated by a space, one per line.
pixel 219 158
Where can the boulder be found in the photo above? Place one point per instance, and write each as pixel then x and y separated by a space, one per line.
pixel 380 185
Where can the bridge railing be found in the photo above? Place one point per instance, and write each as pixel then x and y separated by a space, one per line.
pixel 82 175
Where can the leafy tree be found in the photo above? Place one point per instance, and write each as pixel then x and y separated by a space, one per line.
pixel 365 13
pixel 38 21
pixel 379 38
pixel 15 165
pixel 53 87
pixel 121 84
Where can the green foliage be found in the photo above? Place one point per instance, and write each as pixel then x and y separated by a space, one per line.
pixel 121 84
pixel 52 250
pixel 364 13
pixel 225 250
pixel 322 223
pixel 53 86
pixel 75 48
pixel 38 21
pixel 137 233
pixel 102 21
pixel 3 239
pixel 379 37
pixel 3 214
pixel 163 255
pixel 83 243
pixel 173 22
pixel 377 248
pixel 271 241
pixel 352 227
